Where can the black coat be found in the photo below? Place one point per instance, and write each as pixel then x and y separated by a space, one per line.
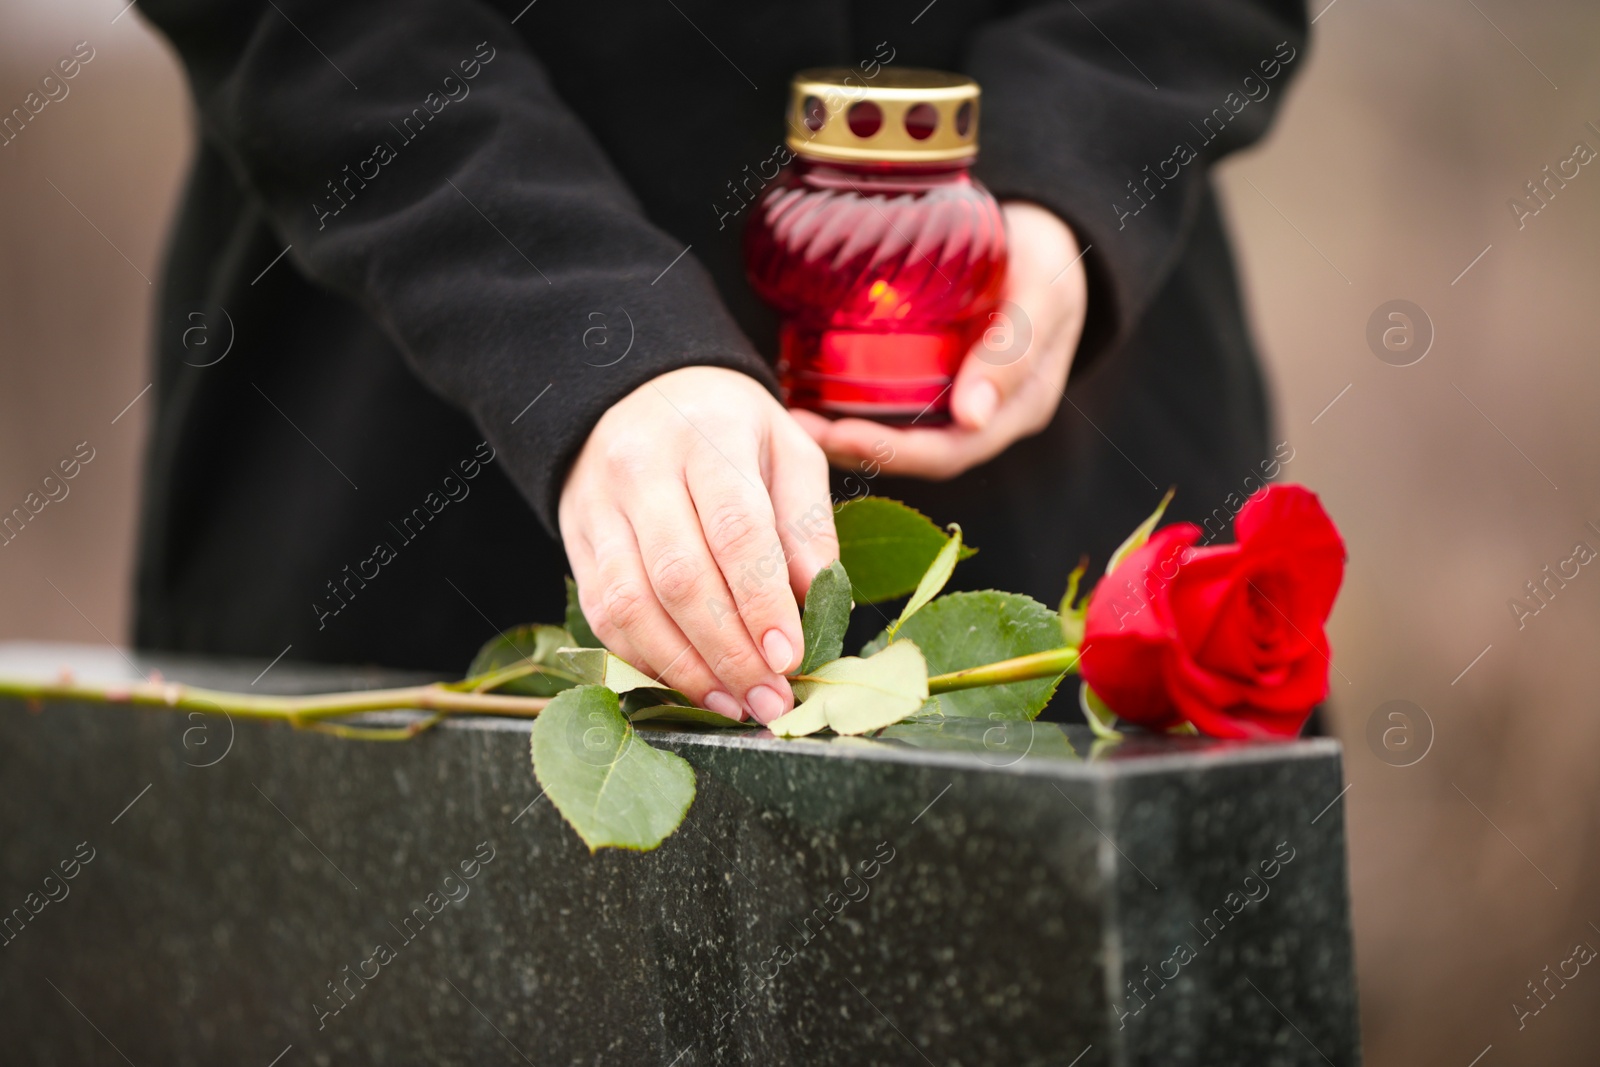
pixel 479 197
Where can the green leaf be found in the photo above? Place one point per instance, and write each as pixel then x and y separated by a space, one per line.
pixel 577 625
pixel 806 718
pixel 1074 615
pixel 684 713
pixel 1140 535
pixel 933 580
pixel 852 696
pixel 928 712
pixel 642 696
pixel 1102 720
pixel 999 744
pixel 534 644
pixel 596 666
pixel 827 616
pixel 614 789
pixel 964 630
pixel 886 547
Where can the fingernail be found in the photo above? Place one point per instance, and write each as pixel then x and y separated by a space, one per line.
pixel 779 652
pixel 765 705
pixel 982 401
pixel 723 704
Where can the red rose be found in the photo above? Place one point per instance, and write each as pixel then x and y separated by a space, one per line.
pixel 1229 637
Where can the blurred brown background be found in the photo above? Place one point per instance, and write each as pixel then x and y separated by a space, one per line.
pixel 1455 479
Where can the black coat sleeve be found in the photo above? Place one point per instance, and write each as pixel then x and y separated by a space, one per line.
pixel 415 156
pixel 1110 112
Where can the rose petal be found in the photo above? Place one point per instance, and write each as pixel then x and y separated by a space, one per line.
pixel 1228 637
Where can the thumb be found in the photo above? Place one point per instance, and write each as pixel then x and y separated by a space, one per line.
pixel 996 367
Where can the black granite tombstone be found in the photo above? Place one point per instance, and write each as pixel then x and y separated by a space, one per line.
pixel 243 893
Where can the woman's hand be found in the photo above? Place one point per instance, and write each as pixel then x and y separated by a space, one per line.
pixel 694 519
pixel 1011 382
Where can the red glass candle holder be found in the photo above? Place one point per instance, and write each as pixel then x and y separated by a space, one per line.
pixel 882 254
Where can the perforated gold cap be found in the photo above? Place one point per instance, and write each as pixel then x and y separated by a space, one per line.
pixel 904 114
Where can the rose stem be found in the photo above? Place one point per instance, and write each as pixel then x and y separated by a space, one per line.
pixel 297 710
pixel 374 733
pixel 1022 669
pixel 478 683
pixel 442 698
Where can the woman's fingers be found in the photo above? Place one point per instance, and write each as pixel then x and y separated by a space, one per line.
pixel 621 606
pixel 997 367
pixel 803 507
pixel 815 426
pixel 740 526
pixel 915 452
pixel 1022 357
pixel 688 582
pixel 672 528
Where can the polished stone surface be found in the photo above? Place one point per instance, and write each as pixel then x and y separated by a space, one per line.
pixel 1028 894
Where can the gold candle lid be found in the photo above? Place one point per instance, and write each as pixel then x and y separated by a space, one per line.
pixel 903 115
